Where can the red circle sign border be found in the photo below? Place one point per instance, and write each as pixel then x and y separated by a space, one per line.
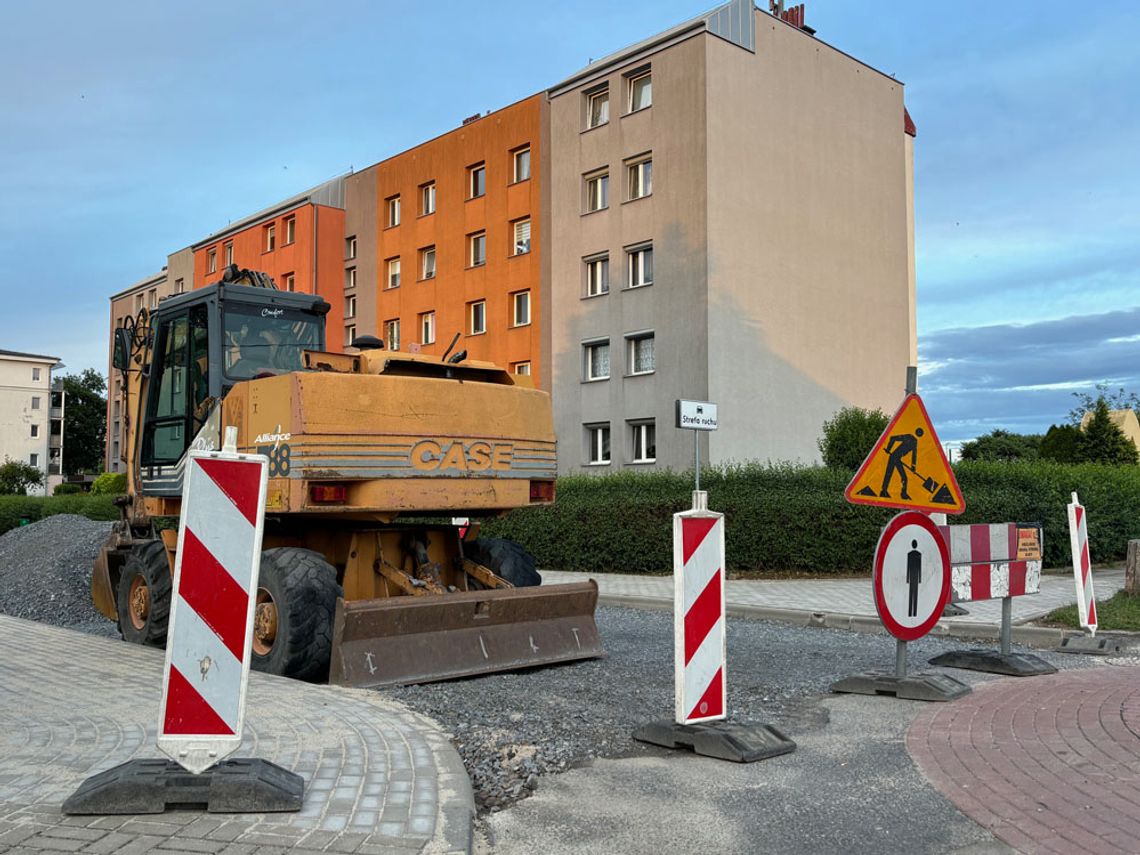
pixel 909 633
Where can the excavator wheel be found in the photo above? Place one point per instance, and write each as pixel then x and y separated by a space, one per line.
pixel 293 618
pixel 506 559
pixel 143 595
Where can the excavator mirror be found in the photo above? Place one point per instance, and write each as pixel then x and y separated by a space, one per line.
pixel 121 356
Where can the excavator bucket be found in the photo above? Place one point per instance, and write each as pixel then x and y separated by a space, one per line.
pixel 400 640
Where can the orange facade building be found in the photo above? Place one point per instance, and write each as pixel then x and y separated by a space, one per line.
pixel 299 243
pixel 456 244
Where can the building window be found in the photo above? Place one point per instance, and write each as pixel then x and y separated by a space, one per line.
pixel 229 252
pixel 427 199
pixel 427 328
pixel 350 278
pixel 211 264
pixel 290 282
pixel 35 373
pixel 476 180
pixel 393 207
pixel 393 280
pixel 522 237
pixel 522 164
pixel 291 230
pixel 640 91
pixel 350 247
pixel 597 360
pixel 639 178
pixel 640 265
pixel 152 302
pixel 477 248
pixel 270 238
pixel 477 317
pixel 639 353
pixel 597 191
pixel 392 333
pixel 349 335
pixel 598 442
pixel 35 431
pixel 520 303
pixel 139 300
pixel 522 368
pixel 179 286
pixel 597 107
pixel 350 306
pixel 597 275
pixel 35 402
pixel 427 262
pixel 34 459
pixel 644 441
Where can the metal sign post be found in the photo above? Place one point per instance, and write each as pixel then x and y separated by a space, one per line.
pixel 696 416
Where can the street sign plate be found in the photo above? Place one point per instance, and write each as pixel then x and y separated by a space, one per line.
pixel 911 578
pixel 696 415
pixel 907 468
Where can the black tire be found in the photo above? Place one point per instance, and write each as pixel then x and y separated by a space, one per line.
pixel 142 596
pixel 505 559
pixel 301 589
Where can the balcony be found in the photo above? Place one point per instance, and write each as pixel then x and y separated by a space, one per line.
pixel 55 442
pixel 53 469
pixel 55 413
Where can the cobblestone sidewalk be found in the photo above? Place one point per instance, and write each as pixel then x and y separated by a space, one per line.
pixel 378 777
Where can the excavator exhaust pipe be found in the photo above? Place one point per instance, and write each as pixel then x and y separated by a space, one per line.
pixel 402 640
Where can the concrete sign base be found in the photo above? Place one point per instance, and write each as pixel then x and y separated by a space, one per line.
pixel 740 743
pixel 924 686
pixel 1093 645
pixel 992 662
pixel 152 786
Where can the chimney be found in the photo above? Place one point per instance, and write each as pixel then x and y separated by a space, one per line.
pixel 794 16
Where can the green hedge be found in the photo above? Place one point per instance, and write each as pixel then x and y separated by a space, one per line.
pixel 15 509
pixel 787 518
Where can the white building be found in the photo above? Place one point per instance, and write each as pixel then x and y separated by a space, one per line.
pixel 26 411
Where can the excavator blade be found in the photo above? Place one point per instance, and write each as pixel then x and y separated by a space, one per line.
pixel 400 640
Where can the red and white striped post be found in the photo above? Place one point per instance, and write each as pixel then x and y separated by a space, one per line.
pixel 212 608
pixel 1082 566
pixel 698 613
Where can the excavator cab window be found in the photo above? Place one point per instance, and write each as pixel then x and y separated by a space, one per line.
pixel 177 386
pixel 262 340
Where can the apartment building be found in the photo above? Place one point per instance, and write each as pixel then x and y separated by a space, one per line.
pixel 731 220
pixel 447 238
pixel 25 411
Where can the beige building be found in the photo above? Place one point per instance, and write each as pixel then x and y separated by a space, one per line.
pixel 1124 419
pixel 26 417
pixel 731 220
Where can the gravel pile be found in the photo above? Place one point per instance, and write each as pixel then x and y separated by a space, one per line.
pixel 45 572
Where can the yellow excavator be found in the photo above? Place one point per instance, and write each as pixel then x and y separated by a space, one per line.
pixel 367 578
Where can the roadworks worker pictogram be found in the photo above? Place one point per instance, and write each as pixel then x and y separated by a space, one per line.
pixel 907 467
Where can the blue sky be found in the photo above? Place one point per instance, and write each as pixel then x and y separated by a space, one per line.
pixel 129 130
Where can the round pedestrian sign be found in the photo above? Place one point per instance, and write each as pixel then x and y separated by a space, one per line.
pixel 912 575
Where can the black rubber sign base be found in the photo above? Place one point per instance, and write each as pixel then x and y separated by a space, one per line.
pixel 924 686
pixel 740 743
pixel 992 662
pixel 152 786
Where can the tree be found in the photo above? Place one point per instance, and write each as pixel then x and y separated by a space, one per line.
pixel 849 436
pixel 84 422
pixel 1003 445
pixel 16 477
pixel 1118 400
pixel 1104 442
pixel 1061 443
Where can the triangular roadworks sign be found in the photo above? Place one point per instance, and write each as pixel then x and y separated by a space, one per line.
pixel 907 467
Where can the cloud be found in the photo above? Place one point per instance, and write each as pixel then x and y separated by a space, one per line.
pixel 1022 376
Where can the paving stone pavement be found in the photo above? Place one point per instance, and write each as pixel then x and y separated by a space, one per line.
pixel 1048 764
pixel 851 597
pixel 379 778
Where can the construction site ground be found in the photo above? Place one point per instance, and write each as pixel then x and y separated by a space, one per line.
pixel 543 760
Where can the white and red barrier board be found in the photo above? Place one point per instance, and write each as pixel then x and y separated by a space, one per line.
pixel 211 617
pixel 698 616
pixel 1082 566
pixel 985 563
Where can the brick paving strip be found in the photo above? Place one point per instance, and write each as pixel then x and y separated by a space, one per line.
pixel 379 778
pixel 1047 764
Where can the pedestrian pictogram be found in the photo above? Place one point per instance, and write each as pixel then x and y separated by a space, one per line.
pixel 911 576
pixel 907 468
